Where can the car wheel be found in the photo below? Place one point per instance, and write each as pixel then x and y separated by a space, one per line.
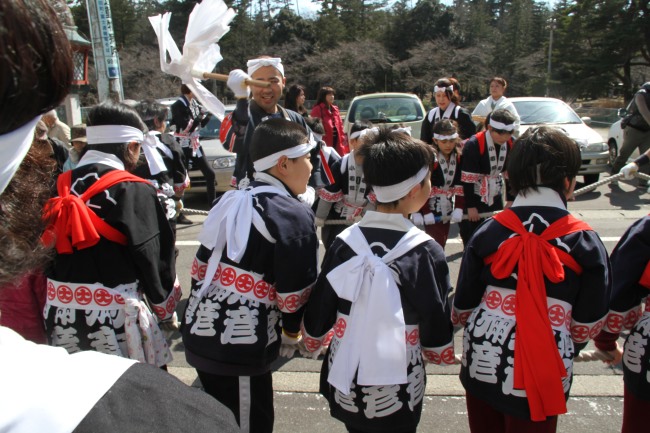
pixel 591 178
pixel 613 151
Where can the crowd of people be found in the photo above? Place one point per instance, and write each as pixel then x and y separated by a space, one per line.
pixel 89 288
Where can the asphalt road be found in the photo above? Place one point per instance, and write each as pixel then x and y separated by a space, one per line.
pixel 596 402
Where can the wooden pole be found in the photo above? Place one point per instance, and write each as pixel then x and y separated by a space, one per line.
pixel 224 78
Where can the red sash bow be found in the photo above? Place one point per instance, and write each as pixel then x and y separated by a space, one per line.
pixel 72 223
pixel 538 367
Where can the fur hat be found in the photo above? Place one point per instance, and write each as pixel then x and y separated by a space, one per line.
pixel 78 133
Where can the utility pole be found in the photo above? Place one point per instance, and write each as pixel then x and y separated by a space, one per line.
pixel 107 62
pixel 550 52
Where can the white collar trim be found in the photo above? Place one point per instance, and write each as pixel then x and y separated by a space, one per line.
pixel 545 197
pixel 97 157
pixel 390 221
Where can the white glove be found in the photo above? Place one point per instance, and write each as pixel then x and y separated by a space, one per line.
pixel 320 222
pixel 237 83
pixel 429 219
pixel 308 197
pixel 169 326
pixel 457 215
pixel 417 219
pixel 289 345
pixel 629 170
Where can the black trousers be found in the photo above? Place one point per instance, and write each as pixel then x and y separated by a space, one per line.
pixel 249 397
pixel 467 229
pixel 202 164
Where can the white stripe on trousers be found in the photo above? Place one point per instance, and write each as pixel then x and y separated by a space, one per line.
pixel 245 404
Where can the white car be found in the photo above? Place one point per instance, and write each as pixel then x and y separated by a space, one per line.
pixel 404 109
pixel 220 159
pixel 538 111
pixel 615 135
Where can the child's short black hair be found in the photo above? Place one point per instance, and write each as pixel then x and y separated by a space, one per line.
pixel 445 127
pixel 543 156
pixel 275 135
pixel 392 157
pixel 149 110
pixel 360 125
pixel 315 124
pixel 501 115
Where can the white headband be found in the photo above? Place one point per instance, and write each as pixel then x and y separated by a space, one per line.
pixel 407 130
pixel 498 125
pixel 293 152
pixel 14 146
pixel 437 89
pixel 445 137
pixel 255 64
pixel 391 193
pixel 103 134
pixel 153 157
pixel 356 134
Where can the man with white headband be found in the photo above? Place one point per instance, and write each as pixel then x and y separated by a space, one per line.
pixel 484 162
pixel 114 248
pixel 252 276
pixel 383 289
pixel 45 388
pixel 262 106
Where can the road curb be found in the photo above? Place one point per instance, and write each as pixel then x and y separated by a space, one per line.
pixel 437 384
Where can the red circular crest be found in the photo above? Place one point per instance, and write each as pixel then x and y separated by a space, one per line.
pixel 171 305
pixel 272 293
pixel 244 283
pixel 413 337
pixel 64 293
pixel 292 303
pixel 262 289
pixel 160 311
pixel 228 276
pixel 493 300
pixel 454 317
pixel 328 338
pixel 629 322
pixel 448 355
pixel 567 320
pixel 464 316
pixel 580 333
pixel 195 268
pixel 339 327
pixel 51 291
pixel 103 297
pixel 312 344
pixel 508 305
pixel 556 315
pixel 432 357
pixel 305 296
pixel 615 323
pixel 596 329
pixel 119 299
pixel 217 274
pixel 280 302
pixel 83 295
pixel 201 272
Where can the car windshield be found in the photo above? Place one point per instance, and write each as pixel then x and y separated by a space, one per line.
pixel 211 129
pixel 536 112
pixel 386 110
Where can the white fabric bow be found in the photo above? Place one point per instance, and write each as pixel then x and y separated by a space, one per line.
pixel 374 342
pixel 207 24
pixel 154 159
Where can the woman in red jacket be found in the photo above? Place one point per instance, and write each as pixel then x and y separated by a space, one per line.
pixel 332 123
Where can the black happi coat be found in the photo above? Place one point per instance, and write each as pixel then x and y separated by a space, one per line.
pixel 288 266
